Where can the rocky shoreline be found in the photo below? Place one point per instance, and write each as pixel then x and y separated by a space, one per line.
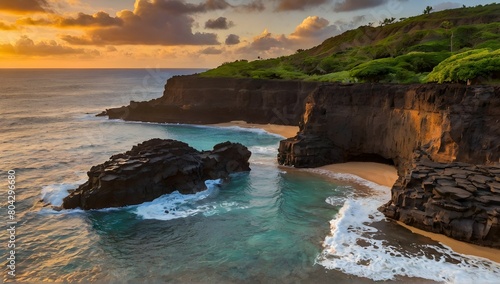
pixel 456 127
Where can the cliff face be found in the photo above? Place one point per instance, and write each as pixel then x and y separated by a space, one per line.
pixel 369 121
pixel 198 100
pixel 444 140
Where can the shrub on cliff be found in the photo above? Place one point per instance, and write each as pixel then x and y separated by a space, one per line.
pixel 375 70
pixel 420 62
pixel 470 65
pixel 399 69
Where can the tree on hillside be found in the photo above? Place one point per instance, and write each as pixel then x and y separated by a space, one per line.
pixel 387 21
pixel 427 10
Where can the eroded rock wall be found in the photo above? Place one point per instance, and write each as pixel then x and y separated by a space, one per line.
pixel 199 100
pixel 364 121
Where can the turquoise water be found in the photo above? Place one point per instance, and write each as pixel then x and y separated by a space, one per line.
pixel 272 224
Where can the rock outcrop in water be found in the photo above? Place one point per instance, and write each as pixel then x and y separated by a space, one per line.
pixel 154 168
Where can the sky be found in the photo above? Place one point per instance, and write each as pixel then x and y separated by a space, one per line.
pixel 180 33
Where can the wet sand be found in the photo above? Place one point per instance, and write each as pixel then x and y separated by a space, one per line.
pixel 283 130
pixel 381 174
pixel 458 246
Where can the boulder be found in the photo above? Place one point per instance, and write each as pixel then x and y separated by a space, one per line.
pixel 154 168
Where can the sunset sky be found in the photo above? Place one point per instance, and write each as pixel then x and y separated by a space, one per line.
pixel 180 33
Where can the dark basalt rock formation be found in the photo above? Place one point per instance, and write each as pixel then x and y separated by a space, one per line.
pixel 459 200
pixel 389 122
pixel 199 100
pixel 154 168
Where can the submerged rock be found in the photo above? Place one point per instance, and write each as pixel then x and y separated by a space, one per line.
pixel 153 168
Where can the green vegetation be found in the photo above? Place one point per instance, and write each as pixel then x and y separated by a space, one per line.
pixel 477 64
pixel 448 46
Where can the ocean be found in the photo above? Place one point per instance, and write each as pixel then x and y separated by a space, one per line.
pixel 272 225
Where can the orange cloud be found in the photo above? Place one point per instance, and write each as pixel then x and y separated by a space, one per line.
pixel 312 30
pixel 314 26
pixel 24 6
pixel 156 22
pixel 7 27
pixel 99 19
pixel 27 47
pixel 211 51
pixel 311 26
pixel 266 41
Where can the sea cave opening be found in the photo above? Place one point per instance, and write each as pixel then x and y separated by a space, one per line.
pixel 370 157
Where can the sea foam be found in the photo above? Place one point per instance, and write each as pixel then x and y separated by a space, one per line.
pixel 356 247
pixel 55 193
pixel 176 205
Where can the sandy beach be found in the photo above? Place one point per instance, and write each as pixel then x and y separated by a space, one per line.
pixel 381 174
pixel 286 131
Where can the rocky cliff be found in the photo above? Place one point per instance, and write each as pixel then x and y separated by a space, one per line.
pixel 389 122
pixel 444 140
pixel 199 100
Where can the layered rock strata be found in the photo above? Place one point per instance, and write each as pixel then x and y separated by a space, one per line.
pixel 458 200
pixel 389 122
pixel 154 168
pixel 199 100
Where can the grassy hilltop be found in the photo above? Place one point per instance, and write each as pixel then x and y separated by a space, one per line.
pixel 448 46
